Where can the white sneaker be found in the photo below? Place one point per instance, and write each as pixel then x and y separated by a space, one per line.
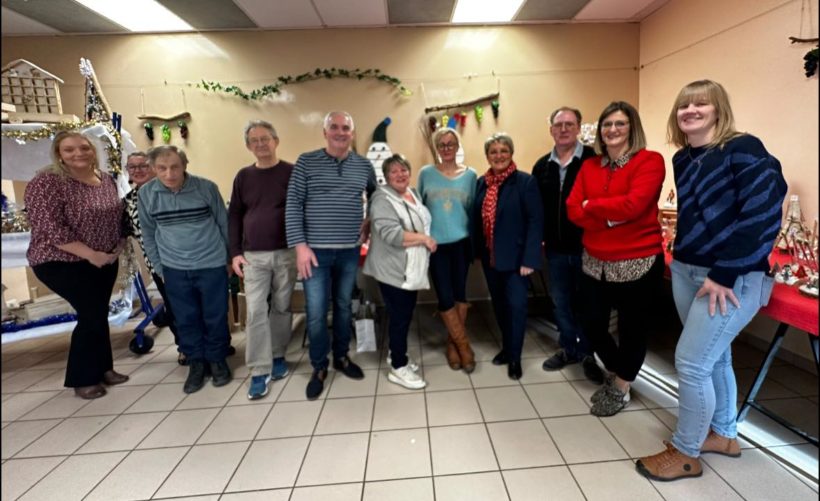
pixel 410 363
pixel 405 376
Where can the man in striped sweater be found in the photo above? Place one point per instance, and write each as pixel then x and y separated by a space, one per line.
pixel 324 221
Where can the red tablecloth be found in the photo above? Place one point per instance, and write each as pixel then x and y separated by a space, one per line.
pixel 786 305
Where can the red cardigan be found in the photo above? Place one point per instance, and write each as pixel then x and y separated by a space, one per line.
pixel 628 198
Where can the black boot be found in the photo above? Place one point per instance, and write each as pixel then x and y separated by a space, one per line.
pixel 220 372
pixel 196 376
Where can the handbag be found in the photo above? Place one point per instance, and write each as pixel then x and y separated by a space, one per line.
pixel 365 329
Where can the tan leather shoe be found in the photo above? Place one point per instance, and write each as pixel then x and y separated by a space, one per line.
pixel 669 465
pixel 453 359
pixel 90 392
pixel 111 378
pixel 721 445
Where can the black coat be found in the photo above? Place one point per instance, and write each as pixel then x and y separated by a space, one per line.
pixel 560 234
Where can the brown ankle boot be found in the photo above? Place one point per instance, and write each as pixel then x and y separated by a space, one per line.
pixel 668 465
pixel 459 336
pixel 721 445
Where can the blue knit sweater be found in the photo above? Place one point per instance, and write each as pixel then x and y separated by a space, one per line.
pixel 730 203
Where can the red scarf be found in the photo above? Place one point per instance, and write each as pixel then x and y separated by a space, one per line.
pixel 490 206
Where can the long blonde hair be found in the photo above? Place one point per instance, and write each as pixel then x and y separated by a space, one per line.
pixel 714 94
pixel 57 166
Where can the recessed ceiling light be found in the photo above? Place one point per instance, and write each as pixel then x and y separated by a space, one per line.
pixel 138 15
pixel 485 11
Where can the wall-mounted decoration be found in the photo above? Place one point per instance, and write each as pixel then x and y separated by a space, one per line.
pixel 317 74
pixel 811 58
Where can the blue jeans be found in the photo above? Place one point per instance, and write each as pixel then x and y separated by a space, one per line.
pixel 706 382
pixel 334 276
pixel 448 268
pixel 564 288
pixel 400 305
pixel 200 299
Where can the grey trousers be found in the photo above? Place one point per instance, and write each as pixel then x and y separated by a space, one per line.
pixel 268 329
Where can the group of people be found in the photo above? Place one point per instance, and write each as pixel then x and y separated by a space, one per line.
pixel 593 215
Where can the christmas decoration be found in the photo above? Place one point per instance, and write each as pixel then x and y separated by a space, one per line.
pixel 811 58
pixel 479 113
pixel 318 73
pixel 445 120
pixel 495 105
pixel 96 107
pixel 166 133
pixel 451 123
pixel 149 130
pixel 464 104
pixel 379 150
pixel 433 122
pixel 183 129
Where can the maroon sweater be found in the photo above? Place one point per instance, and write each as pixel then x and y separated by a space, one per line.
pixel 629 196
pixel 256 214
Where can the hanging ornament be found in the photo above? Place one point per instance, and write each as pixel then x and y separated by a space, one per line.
pixel 479 113
pixel 433 121
pixel 183 129
pixel 166 133
pixel 445 119
pixel 462 119
pixel 149 130
pixel 451 123
pixel 495 106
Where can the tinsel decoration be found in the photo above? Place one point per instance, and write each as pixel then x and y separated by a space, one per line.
pixel 479 113
pixel 13 326
pixel 445 120
pixel 50 130
pixel 183 129
pixel 495 104
pixel 166 133
pixel 149 130
pixel 318 73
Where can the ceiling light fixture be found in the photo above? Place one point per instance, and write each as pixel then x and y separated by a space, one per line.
pixel 138 15
pixel 485 11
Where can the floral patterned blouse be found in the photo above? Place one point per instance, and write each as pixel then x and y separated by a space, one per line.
pixel 63 210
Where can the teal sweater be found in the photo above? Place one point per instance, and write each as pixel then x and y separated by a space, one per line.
pixel 449 201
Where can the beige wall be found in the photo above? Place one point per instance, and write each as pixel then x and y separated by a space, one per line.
pixel 744 45
pixel 537 69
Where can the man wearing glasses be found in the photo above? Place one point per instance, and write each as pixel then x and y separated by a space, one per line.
pixel 260 255
pixel 555 174
pixel 139 173
pixel 325 224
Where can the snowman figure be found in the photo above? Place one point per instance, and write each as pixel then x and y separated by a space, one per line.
pixel 379 150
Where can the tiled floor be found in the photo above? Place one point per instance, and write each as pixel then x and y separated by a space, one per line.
pixel 477 437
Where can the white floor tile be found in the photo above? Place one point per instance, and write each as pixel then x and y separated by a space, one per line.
pixel 399 411
pixel 556 399
pixel 206 469
pixel 66 437
pixel 503 404
pixel 20 474
pixel 537 484
pixel 179 428
pixel 345 415
pixel 348 454
pixel 19 434
pixel 523 444
pixel 413 489
pixel 613 481
pixel 291 419
pixel 461 449
pixel 398 454
pixel 123 433
pixel 235 424
pixel 453 407
pixel 270 464
pixel 338 492
pixel 582 439
pixel 74 478
pixel 138 476
pixel 474 487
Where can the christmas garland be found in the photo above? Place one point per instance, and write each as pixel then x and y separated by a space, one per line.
pixel 49 131
pixel 318 73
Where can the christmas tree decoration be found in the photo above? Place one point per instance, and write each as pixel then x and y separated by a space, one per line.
pixel 445 119
pixel 166 133
pixel 149 130
pixel 183 129
pixel 379 150
pixel 96 106
pixel 479 113
pixel 495 105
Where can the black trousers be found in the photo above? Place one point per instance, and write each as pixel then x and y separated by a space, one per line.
pixel 88 290
pixel 636 303
pixel 400 305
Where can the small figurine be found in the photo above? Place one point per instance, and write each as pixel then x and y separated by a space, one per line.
pixel 670 200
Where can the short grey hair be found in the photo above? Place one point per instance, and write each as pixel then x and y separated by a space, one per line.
pixel 332 114
pixel 136 154
pixel 259 123
pixel 397 158
pixel 499 137
pixel 574 111
pixel 158 151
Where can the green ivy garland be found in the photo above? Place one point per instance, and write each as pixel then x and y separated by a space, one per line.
pixel 318 73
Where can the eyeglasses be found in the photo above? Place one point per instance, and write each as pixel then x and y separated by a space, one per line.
pixel 564 125
pixel 259 140
pixel 618 124
pixel 137 167
pixel 447 146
